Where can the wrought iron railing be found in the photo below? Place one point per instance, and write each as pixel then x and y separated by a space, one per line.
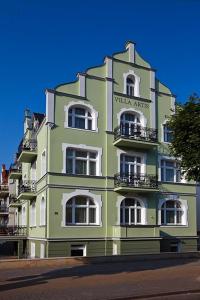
pixel 136 132
pixel 136 180
pixel 13 230
pixel 27 145
pixel 4 209
pixel 3 187
pixel 27 186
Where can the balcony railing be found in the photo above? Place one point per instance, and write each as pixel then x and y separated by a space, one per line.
pixel 136 180
pixel 3 187
pixel 27 186
pixel 9 230
pixel 136 132
pixel 28 145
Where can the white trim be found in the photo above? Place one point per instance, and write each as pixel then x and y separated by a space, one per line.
pixel 82 83
pixel 173 107
pixel 143 120
pixel 109 67
pixel 43 171
pixel 50 106
pixel 143 203
pixel 143 157
pixel 85 147
pixel 109 105
pixel 32 250
pixel 24 215
pixel 153 99
pixel 170 158
pixel 79 247
pixel 42 218
pixel 94 114
pixel 94 197
pixel 42 250
pixel 131 52
pixel 137 83
pixel 162 132
pixel 184 207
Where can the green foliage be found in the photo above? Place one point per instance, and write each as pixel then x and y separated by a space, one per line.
pixel 185 125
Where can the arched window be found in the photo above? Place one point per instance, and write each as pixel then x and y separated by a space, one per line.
pixel 172 213
pixel 80 117
pixel 130 85
pixel 81 210
pixel 130 212
pixel 167 133
pixel 130 124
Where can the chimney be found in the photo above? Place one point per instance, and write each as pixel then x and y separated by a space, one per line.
pixel 27 119
pixel 130 46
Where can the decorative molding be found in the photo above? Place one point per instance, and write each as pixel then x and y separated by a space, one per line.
pixel 50 103
pixel 143 120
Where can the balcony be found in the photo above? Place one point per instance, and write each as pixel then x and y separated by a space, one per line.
pixel 27 151
pixel 12 230
pixel 27 190
pixel 142 183
pixel 15 171
pixel 4 210
pixel 132 135
pixel 13 201
pixel 4 190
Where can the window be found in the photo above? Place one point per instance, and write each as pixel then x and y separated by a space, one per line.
pixel 81 162
pixel 130 212
pixel 79 117
pixel 130 164
pixel 170 171
pixel 43 163
pixel 33 215
pixel 130 85
pixel 81 210
pixel 23 215
pixel 78 250
pixel 167 134
pixel 130 124
pixel 172 213
pixel 42 212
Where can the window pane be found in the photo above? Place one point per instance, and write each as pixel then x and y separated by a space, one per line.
pixel 138 159
pixel 162 174
pixel 80 215
pixel 90 124
pixel 138 216
pixel 92 168
pixel 80 111
pixel 130 117
pixel 170 204
pixel 69 152
pixel 70 121
pixel 170 217
pixel 81 167
pixel 81 153
pixel 80 200
pixel 132 216
pixel 80 123
pixel 68 215
pixel 93 154
pixel 170 175
pixel 178 175
pixel 92 215
pixel 126 215
pixel 69 166
pixel 91 202
pixel 129 202
pixel 162 217
pixel 169 163
pixel 179 217
pixel 70 111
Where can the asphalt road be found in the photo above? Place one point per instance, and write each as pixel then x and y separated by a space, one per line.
pixel 166 279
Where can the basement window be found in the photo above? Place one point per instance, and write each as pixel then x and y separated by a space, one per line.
pixel 78 250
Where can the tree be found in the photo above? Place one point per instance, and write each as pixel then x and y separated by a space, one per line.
pixel 185 126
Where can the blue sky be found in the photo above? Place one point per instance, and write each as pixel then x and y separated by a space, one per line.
pixel 44 43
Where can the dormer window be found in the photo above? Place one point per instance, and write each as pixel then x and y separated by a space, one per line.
pixel 80 117
pixel 130 85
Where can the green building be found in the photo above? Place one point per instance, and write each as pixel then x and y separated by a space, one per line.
pixel 97 178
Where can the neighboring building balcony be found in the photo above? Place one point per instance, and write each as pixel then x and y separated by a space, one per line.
pixel 13 201
pixel 139 182
pixel 15 171
pixel 126 135
pixel 27 190
pixel 27 151
pixel 4 191
pixel 4 210
pixel 12 230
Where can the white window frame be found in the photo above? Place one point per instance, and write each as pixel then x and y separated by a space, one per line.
pixel 86 206
pixel 86 148
pixel 43 163
pixel 142 156
pixel 164 167
pixel 143 203
pixel 88 159
pixel 33 214
pixel 136 85
pixel 78 247
pixel 42 250
pixel 97 200
pixel 86 106
pixel 164 132
pixel 32 246
pixel 184 207
pixel 137 113
pixel 130 208
pixel 42 211
pixel 24 222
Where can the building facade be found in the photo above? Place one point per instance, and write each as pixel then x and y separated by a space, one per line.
pixel 97 178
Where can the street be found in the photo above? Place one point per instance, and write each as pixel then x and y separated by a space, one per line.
pixel 166 279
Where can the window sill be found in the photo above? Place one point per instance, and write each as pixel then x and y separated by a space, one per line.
pixel 81 129
pixel 32 226
pixel 42 225
pixel 81 226
pixel 174 226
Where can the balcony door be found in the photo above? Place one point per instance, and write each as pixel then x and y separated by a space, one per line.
pixel 130 166
pixel 130 124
